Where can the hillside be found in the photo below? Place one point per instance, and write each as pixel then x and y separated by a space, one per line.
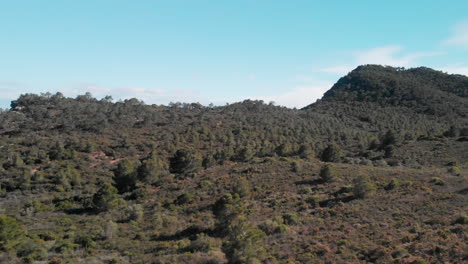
pixel 422 89
pixel 374 172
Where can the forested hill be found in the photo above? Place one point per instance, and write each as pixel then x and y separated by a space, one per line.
pixel 375 172
pixel 423 89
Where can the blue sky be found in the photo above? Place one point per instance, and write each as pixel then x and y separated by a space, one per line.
pixel 289 52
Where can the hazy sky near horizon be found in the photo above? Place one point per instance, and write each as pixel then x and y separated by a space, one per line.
pixel 289 52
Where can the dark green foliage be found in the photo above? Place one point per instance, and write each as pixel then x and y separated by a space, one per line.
pixel 31 251
pixel 327 173
pixel 462 220
pixel 389 138
pixel 227 209
pixel 305 152
pixel 184 198
pixel 203 243
pixel 125 176
pixel 11 233
pixel 437 181
pixel 393 184
pixel 185 162
pixel 242 188
pixel 85 241
pixel 290 218
pixel 274 226
pixel 151 169
pixel 243 243
pixel 389 151
pixel 106 198
pixel 332 153
pixel 453 131
pixel 209 161
pixel 245 154
pixel 363 187
pixel 454 170
pixel 284 150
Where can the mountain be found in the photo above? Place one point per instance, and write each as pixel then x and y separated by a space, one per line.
pixel 374 172
pixel 422 89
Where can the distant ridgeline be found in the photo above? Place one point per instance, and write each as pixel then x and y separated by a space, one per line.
pixel 356 114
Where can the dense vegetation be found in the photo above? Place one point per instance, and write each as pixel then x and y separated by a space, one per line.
pixel 375 172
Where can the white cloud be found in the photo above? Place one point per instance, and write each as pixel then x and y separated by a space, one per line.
pixel 11 89
pixel 460 35
pixel 455 69
pixel 299 96
pixel 390 55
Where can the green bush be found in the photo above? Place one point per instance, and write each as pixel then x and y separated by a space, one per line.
pixel 203 243
pixel 125 176
pixel 313 200
pixel 184 198
pixel 226 210
pixel 454 171
pixel 106 198
pixel 393 184
pixel 243 243
pixel 134 212
pixel 332 153
pixel 462 220
pixel 85 241
pixel 11 232
pixel 274 226
pixel 363 187
pixel 327 173
pixel 185 162
pixel 242 187
pixel 437 181
pixel 32 251
pixel 290 218
pixel 151 169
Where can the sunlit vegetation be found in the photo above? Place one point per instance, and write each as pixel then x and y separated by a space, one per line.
pixel 374 172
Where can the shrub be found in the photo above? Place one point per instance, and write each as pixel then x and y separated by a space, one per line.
pixel 296 167
pixel 454 171
pixel 313 200
pixel 185 162
pixel 363 187
pixel 242 187
pixel 85 241
pixel 327 173
pixel 393 184
pixel 203 243
pixel 106 198
pixel 109 230
pixel 226 210
pixel 134 212
pixel 242 245
pixel 125 176
pixel 332 153
pixel 290 219
pixel 151 169
pixel 11 232
pixel 305 152
pixel 184 198
pixel 31 251
pixel 274 226
pixel 462 220
pixel 245 154
pixel 437 181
